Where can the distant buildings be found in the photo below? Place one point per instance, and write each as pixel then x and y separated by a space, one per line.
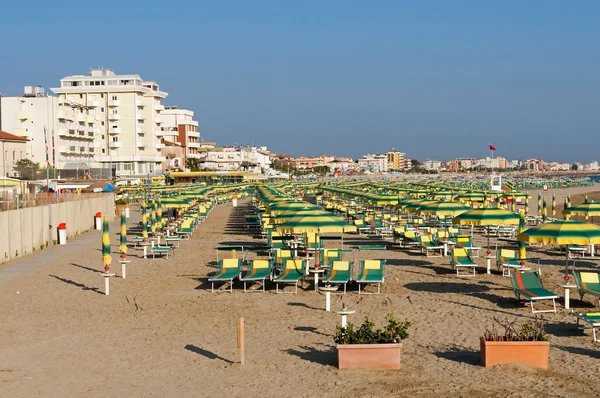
pixel 13 148
pixel 229 158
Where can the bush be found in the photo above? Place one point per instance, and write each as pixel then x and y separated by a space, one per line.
pixel 532 330
pixel 393 332
pixel 120 202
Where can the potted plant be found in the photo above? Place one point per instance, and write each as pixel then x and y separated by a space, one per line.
pixel 119 205
pixel 368 347
pixel 527 345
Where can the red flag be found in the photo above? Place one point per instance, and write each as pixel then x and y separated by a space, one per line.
pixel 492 148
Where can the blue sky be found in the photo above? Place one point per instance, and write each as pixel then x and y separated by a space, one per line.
pixel 437 79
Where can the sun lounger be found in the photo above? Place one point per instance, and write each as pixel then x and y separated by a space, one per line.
pixel 160 250
pixel 173 239
pixel 529 285
pixel 427 246
pixel 576 250
pixel 588 283
pixel 331 255
pixel 371 271
pixel 592 319
pixel 260 270
pixel 340 273
pixel 229 269
pixel 411 239
pixel 292 272
pixel 461 259
pixel 465 242
pixel 509 260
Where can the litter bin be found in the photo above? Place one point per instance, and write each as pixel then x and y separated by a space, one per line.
pixel 62 233
pixel 98 221
pixel 234 200
pixel 126 210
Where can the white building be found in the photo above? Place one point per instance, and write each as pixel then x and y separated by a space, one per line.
pixel 178 125
pixel 229 158
pixel 374 163
pixel 120 114
pixel 432 164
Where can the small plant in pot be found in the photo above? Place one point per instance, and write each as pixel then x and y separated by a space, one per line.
pixel 369 347
pixel 526 344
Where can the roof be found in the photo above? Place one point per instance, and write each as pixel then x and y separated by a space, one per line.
pixel 11 137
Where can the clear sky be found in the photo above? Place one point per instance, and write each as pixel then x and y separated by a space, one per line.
pixel 438 79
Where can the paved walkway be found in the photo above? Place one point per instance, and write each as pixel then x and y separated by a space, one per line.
pixel 92 240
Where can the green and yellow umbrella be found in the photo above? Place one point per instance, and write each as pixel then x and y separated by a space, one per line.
pixel 487 216
pixel 442 209
pixel 539 203
pixel 159 214
pixel 123 245
pixel 106 258
pixel 544 211
pixel 283 207
pixel 566 214
pixel 144 223
pixel 332 224
pixel 554 205
pixel 584 209
pixel 522 228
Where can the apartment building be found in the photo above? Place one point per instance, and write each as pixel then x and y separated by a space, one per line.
pixel 229 158
pixel 12 148
pixel 374 163
pixel 120 117
pixel 178 125
pixel 395 160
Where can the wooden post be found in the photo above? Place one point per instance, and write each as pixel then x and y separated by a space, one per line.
pixel 241 339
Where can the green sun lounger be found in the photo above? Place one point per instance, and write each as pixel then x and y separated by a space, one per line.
pixel 173 239
pixel 460 259
pixel 529 285
pixel 588 283
pixel 260 270
pixel 464 241
pixel 160 250
pixel 340 273
pixel 592 319
pixel 229 269
pixel 509 260
pixel 292 272
pixel 371 271
pixel 331 255
pixel 427 246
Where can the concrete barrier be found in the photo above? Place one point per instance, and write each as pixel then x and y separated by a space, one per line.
pixel 31 229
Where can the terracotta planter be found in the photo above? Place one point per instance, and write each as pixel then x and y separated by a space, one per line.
pixel 381 356
pixel 529 353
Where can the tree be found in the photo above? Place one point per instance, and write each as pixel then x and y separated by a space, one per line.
pixel 193 164
pixel 27 169
pixel 574 167
pixel 322 170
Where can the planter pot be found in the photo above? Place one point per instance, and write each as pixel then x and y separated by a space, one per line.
pixel 381 356
pixel 529 353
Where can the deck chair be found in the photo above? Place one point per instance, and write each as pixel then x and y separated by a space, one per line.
pixel 588 283
pixel 371 271
pixel 576 250
pixel 162 250
pixel 529 285
pixel 361 226
pixel 509 260
pixel 281 255
pixel 410 238
pixel 427 246
pixel 461 259
pixel 229 269
pixel 312 241
pixel 465 241
pixel 341 272
pixel 292 272
pixel 592 319
pixel 259 270
pixel 398 233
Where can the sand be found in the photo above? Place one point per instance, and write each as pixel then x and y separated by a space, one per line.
pixel 162 333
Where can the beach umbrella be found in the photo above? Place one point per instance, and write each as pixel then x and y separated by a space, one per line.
pixel 315 215
pixel 554 205
pixel 566 214
pixel 283 207
pixel 527 205
pixel 153 220
pixel 123 245
pixel 106 258
pixel 539 203
pixel 144 223
pixel 544 211
pixel 513 204
pixel 584 209
pixel 159 214
pixel 485 217
pixel 442 209
pixel 562 233
pixel 522 228
pixel 332 224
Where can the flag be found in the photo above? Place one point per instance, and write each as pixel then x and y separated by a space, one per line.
pixel 492 148
pixel 46 145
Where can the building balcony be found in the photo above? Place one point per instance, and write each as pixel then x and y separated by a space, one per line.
pixel 140 104
pixel 63 133
pixel 63 149
pixel 114 116
pixel 159 145
pixel 140 116
pixel 113 103
pixel 140 131
pixel 65 115
pixel 23 115
pixel 193 134
pixel 93 103
pixel 142 144
pixel 159 108
pixel 169 133
pixel 157 120
pixel 115 145
pixel 114 131
pixel 90 119
pixel 81 117
pixel 193 145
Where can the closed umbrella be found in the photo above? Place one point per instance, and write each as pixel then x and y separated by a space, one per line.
pixel 554 205
pixel 123 245
pixel 144 223
pixel 539 203
pixel 544 211
pixel 522 228
pixel 159 215
pixel 106 258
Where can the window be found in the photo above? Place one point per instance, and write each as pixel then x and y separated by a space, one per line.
pixel 103 122
pixel 127 166
pixel 103 150
pixel 91 133
pixel 102 109
pixel 114 98
pixel 80 95
pixel 72 148
pixel 91 149
pixel 102 96
pixel 102 136
pixel 81 149
pixel 115 139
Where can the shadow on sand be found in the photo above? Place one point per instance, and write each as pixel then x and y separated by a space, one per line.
pixel 79 285
pixel 461 355
pixel 312 354
pixel 205 353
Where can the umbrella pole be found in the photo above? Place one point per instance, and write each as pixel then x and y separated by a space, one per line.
pixel 566 261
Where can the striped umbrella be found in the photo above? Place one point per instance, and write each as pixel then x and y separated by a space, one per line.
pixel 522 228
pixel 527 205
pixel 513 204
pixel 123 245
pixel 544 211
pixel 563 233
pixel 486 216
pixel 442 209
pixel 584 209
pixel 159 215
pixel 144 223
pixel 284 207
pixel 333 224
pixel 554 205
pixel 566 214
pixel 539 203
pixel 106 258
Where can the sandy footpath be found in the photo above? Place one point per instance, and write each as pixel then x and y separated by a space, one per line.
pixel 162 333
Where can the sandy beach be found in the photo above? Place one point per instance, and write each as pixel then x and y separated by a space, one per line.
pixel 162 333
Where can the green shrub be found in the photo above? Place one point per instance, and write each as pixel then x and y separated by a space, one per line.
pixel 394 332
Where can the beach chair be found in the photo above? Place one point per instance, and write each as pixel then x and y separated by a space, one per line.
pixel 410 239
pixel 340 273
pixel 281 255
pixel 292 272
pixel 229 269
pixel 592 319
pixel 331 255
pixel 427 246
pixel 576 251
pixel 464 241
pixel 361 227
pixel 174 239
pixel 461 259
pixel 259 270
pixel 398 233
pixel 509 260
pixel 312 241
pixel 529 285
pixel 588 283
pixel 162 250
pixel 371 271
